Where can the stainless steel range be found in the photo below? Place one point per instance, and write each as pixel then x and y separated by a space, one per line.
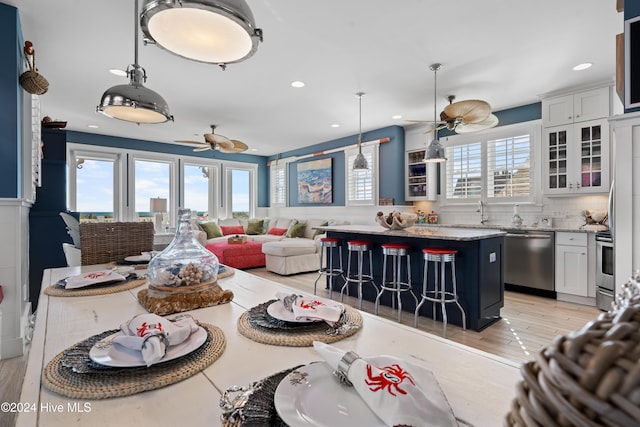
pixel 605 287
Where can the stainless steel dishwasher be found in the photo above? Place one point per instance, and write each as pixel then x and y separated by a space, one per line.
pixel 529 260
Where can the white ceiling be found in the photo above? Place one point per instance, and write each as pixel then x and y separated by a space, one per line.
pixel 505 52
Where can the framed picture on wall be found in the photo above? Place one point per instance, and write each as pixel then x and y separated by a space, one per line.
pixel 315 181
pixel 632 63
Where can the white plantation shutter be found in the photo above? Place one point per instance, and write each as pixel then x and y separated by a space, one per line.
pixel 362 188
pixel 464 170
pixel 508 167
pixel 278 190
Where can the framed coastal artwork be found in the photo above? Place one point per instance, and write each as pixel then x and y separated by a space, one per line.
pixel 315 181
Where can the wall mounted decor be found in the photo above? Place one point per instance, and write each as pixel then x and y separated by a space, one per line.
pixel 315 182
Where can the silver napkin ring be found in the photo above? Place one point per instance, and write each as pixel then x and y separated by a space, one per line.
pixel 343 367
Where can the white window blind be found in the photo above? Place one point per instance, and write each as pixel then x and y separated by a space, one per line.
pixel 464 170
pixel 508 167
pixel 362 185
pixel 278 191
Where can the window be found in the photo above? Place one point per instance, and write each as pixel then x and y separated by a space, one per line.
pixel 362 186
pixel 494 165
pixel 198 182
pixel 152 178
pixel 278 180
pixel 240 202
pixel 93 185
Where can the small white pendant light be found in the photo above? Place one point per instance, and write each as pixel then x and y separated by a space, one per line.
pixel 211 31
pixel 360 163
pixel 134 102
pixel 435 150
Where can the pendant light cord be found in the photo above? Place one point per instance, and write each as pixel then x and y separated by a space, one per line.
pixel 360 94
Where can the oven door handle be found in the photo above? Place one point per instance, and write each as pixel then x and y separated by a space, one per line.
pixel 605 292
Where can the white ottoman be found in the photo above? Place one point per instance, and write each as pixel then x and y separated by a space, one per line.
pixel 291 256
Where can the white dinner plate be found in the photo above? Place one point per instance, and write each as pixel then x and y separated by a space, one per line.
pixel 277 310
pixel 107 353
pixel 320 400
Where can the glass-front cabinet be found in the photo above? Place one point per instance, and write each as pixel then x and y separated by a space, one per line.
pixel 416 175
pixel 576 158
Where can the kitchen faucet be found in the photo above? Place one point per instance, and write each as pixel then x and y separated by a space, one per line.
pixel 480 209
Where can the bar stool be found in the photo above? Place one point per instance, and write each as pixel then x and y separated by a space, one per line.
pixel 396 251
pixel 439 294
pixel 358 247
pixel 328 245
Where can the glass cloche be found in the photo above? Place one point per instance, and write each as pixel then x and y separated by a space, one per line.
pixel 185 262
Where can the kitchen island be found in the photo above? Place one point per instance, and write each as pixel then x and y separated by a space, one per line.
pixel 479 386
pixel 479 267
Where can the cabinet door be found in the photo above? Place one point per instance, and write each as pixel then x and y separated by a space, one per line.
pixel 556 159
pixel 557 111
pixel 416 176
pixel 571 270
pixel 592 139
pixel 591 105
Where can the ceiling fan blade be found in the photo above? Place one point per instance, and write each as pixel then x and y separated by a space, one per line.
pixel 437 128
pixel 215 138
pixel 487 123
pixel 191 142
pixel 470 111
pixel 203 148
pixel 237 147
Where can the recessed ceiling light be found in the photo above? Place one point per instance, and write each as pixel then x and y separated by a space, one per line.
pixel 93 126
pixel 254 149
pixel 582 66
pixel 396 117
pixel 118 72
pixel 335 125
pixel 297 83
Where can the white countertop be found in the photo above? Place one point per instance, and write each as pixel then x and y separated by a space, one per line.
pixel 478 385
pixel 421 231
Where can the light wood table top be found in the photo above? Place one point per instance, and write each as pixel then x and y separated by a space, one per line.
pixel 478 385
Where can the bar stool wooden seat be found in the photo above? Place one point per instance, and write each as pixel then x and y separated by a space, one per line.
pixel 327 246
pixel 358 248
pixel 396 251
pixel 439 294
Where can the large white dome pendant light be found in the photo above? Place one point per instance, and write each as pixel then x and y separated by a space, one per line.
pixel 134 102
pixel 213 31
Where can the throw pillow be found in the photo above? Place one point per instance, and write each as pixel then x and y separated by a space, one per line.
pixel 228 230
pixel 296 230
pixel 254 226
pixel 277 231
pixel 319 232
pixel 212 229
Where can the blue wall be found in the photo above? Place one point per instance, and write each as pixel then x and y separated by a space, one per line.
pixel 391 165
pixel 158 147
pixel 11 101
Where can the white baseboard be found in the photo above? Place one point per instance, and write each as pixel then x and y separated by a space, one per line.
pixel 576 299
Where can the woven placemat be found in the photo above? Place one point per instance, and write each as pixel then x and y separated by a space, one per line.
pixel 125 382
pixel 299 337
pixel 226 272
pixel 58 291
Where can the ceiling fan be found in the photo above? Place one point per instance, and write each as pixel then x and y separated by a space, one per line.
pixel 214 141
pixel 463 116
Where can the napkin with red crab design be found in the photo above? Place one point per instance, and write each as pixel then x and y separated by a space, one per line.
pixel 400 393
pixel 311 307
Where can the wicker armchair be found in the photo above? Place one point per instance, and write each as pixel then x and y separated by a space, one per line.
pixel 113 241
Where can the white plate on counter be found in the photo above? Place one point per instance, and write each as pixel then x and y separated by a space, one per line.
pixel 107 353
pixel 277 310
pixel 319 400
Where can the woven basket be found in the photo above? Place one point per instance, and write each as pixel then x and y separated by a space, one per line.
pixel 32 81
pixel 104 242
pixel 590 377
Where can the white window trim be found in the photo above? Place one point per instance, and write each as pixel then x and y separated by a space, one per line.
pixel 373 167
pixel 146 156
pixel 532 128
pixel 227 168
pixel 214 180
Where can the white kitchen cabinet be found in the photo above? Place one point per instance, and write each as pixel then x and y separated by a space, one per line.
pixel 575 158
pixel 578 107
pixel 572 264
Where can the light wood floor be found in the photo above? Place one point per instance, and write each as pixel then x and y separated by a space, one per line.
pixel 528 323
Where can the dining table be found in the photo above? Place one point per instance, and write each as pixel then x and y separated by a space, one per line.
pixel 478 386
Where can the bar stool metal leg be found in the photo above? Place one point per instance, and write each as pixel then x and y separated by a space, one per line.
pixel 396 285
pixel 328 244
pixel 359 247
